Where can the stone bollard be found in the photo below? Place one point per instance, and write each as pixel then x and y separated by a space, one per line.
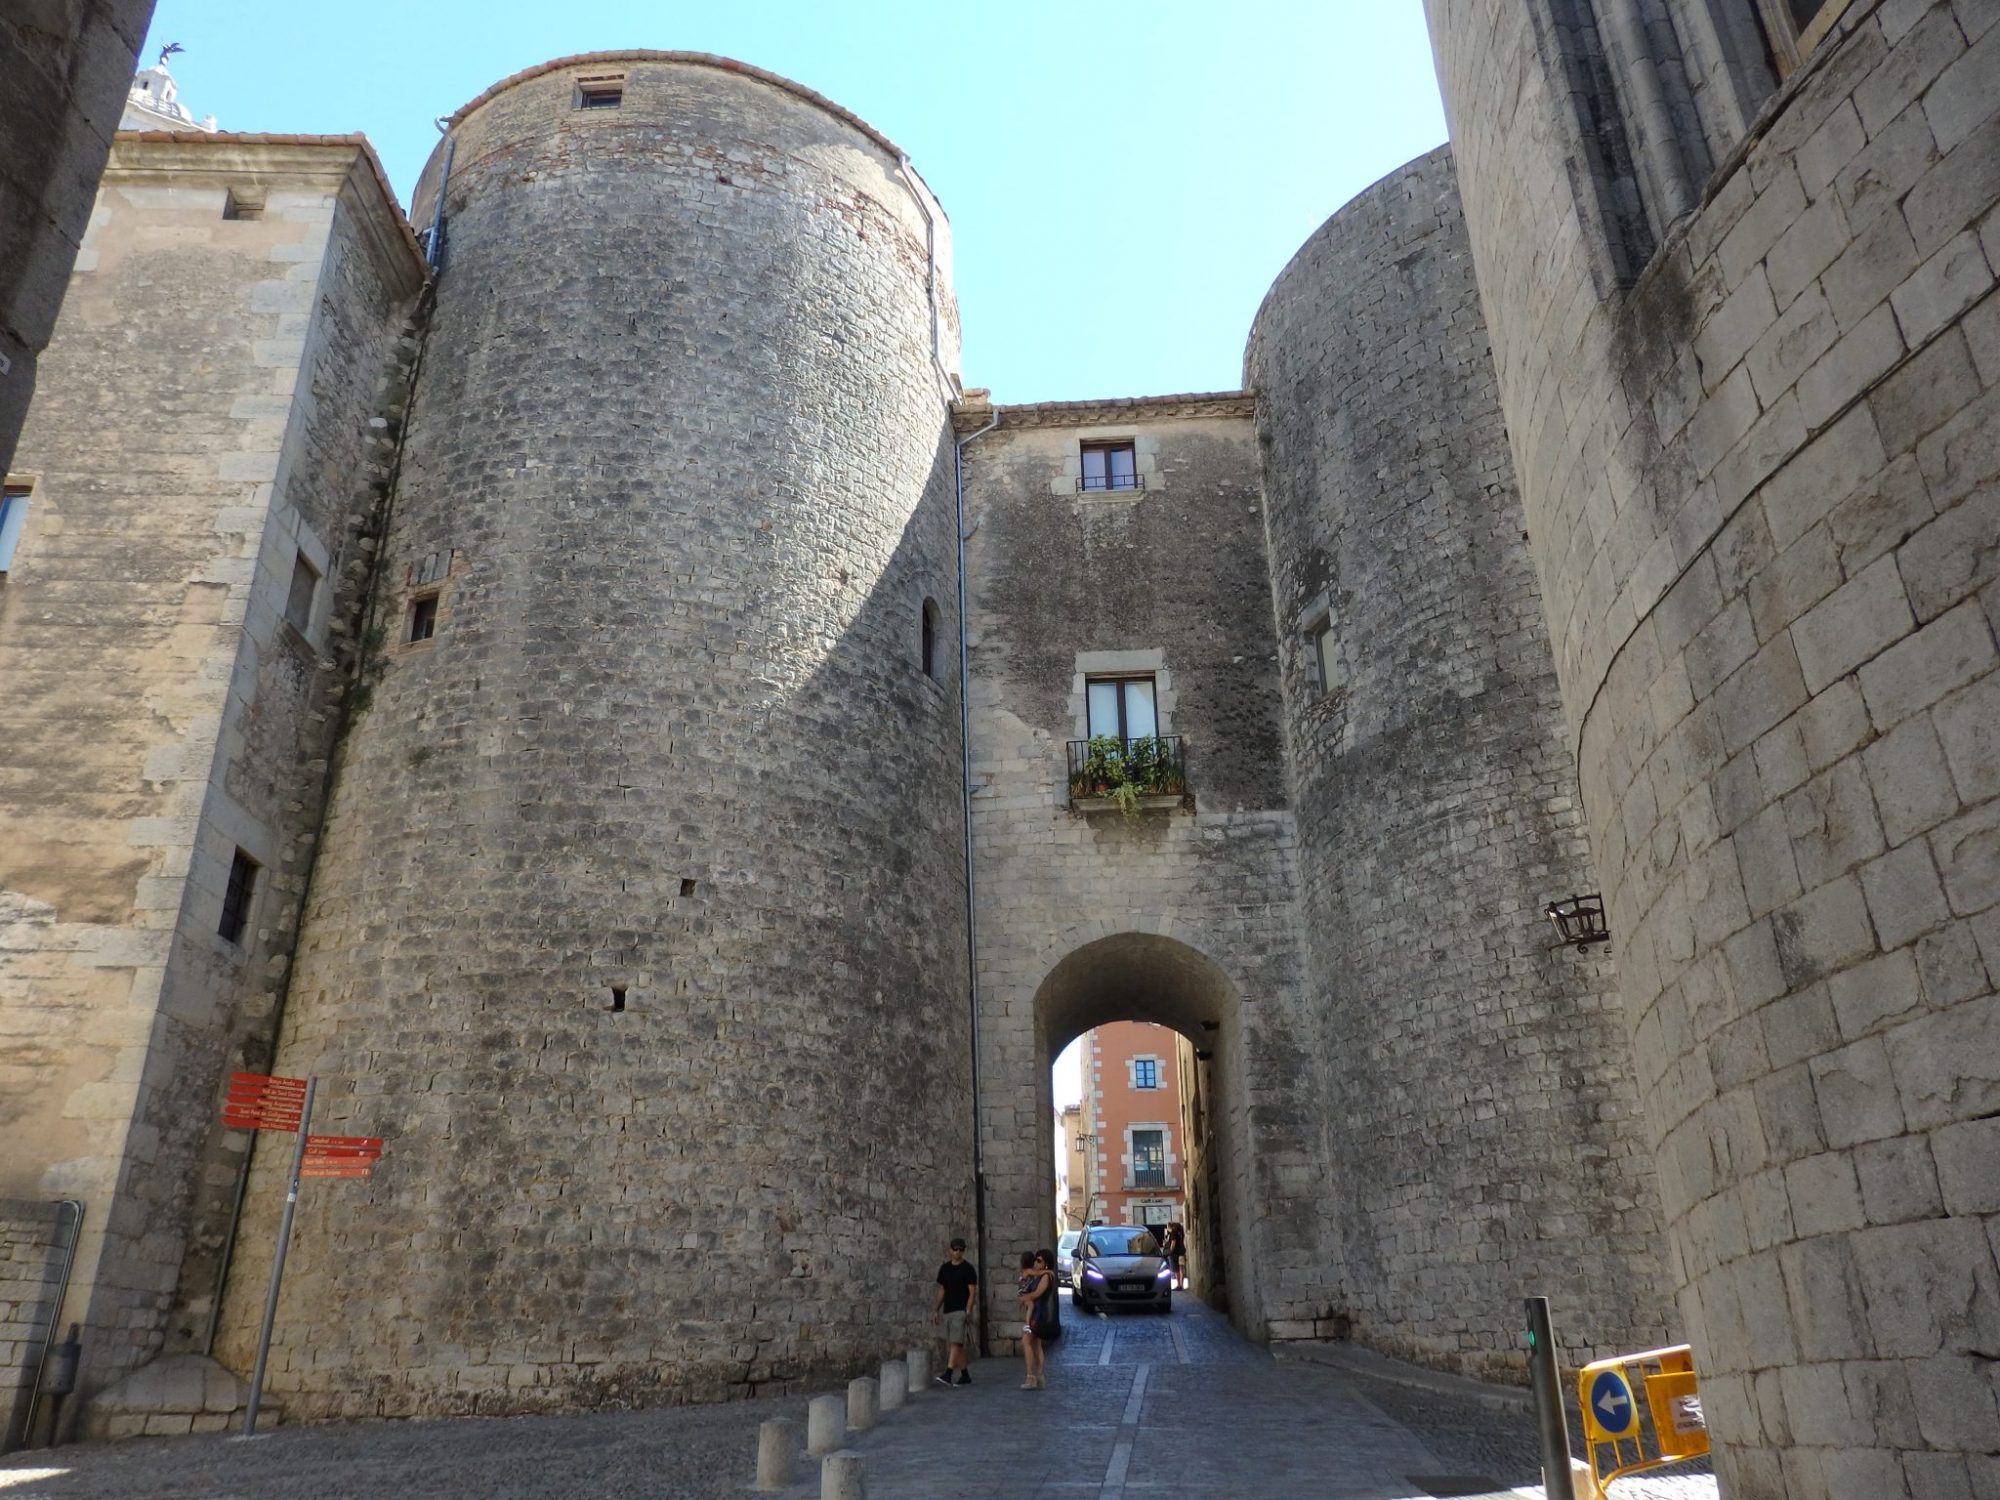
pixel 777 1446
pixel 920 1369
pixel 895 1384
pixel 826 1424
pixel 861 1403
pixel 840 1477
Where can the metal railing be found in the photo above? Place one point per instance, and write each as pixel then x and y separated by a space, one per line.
pixel 1124 770
pixel 1097 484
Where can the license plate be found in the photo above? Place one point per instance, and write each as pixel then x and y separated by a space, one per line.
pixel 1131 1286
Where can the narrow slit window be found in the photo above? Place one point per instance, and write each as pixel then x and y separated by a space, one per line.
pixel 933 665
pixel 687 887
pixel 1325 662
pixel 423 618
pixel 305 585
pixel 236 897
pixel 617 997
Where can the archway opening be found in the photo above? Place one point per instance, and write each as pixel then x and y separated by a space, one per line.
pixel 1157 1131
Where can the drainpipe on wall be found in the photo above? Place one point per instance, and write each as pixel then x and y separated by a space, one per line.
pixel 958 447
pixel 55 1322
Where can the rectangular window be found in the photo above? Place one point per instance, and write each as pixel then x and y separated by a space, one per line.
pixel 1795 27
pixel 1109 466
pixel 299 602
pixel 1149 1158
pixel 1122 708
pixel 600 93
pixel 1323 657
pixel 236 897
pixel 13 516
pixel 243 203
pixel 423 618
pixel 1145 1072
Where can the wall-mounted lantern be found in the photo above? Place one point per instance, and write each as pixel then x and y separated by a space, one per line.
pixel 1578 922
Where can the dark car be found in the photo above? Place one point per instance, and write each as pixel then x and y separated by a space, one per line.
pixel 1121 1266
pixel 1066 1255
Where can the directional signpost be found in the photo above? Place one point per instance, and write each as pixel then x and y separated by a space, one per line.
pixel 256 1101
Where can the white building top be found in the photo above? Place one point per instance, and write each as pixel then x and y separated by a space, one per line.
pixel 151 104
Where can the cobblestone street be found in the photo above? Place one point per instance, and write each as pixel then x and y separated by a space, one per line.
pixel 1137 1408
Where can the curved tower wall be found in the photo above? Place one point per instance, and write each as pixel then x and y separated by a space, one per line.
pixel 1481 1123
pixel 1763 485
pixel 677 476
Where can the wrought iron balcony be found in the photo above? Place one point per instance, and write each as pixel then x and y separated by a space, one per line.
pixel 1098 484
pixel 1130 775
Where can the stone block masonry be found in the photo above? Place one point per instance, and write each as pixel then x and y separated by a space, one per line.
pixel 33 1239
pixel 636 927
pixel 1470 1085
pixel 161 712
pixel 1764 491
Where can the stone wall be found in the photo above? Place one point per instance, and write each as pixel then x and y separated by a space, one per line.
pixel 203 418
pixel 1479 1118
pixel 637 926
pixel 1181 916
pixel 65 66
pixel 33 1239
pixel 1764 490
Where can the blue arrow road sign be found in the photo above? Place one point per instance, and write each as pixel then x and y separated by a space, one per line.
pixel 1611 1403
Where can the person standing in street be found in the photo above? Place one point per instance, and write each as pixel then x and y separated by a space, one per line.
pixel 1036 1290
pixel 957 1285
pixel 1173 1245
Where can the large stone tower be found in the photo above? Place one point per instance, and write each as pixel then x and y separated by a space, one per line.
pixel 638 920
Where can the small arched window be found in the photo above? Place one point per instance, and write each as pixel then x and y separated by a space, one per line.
pixel 932 659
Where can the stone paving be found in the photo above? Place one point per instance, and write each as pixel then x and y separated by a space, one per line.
pixel 1138 1407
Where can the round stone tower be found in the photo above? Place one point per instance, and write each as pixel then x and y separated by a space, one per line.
pixel 637 929
pixel 1486 1132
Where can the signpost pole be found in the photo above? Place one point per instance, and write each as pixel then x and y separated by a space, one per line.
pixel 278 1265
pixel 1549 1418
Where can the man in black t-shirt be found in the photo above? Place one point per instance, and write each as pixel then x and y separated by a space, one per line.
pixel 957 1285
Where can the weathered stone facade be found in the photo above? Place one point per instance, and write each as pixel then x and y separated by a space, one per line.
pixel 637 925
pixel 65 66
pixel 639 922
pixel 1754 423
pixel 1478 1118
pixel 204 422
pixel 1182 915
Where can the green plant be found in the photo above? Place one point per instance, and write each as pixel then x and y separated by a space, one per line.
pixel 1125 771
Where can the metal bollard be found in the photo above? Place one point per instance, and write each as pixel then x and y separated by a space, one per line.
pixel 919 1361
pixel 777 1447
pixel 1547 1382
pixel 840 1477
pixel 895 1384
pixel 826 1424
pixel 862 1405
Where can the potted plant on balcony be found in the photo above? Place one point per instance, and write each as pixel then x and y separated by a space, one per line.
pixel 1123 772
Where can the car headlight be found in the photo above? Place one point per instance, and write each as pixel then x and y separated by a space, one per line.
pixel 1165 1273
pixel 1093 1273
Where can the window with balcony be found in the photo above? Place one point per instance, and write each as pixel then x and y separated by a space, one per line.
pixel 1125 760
pixel 1109 466
pixel 1149 1158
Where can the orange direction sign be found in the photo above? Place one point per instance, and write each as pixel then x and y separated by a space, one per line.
pixel 340 1156
pixel 257 1101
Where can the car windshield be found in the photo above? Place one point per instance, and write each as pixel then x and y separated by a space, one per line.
pixel 1123 1242
pixel 1068 1242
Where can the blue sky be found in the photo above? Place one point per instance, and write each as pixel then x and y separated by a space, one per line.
pixel 1123 180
